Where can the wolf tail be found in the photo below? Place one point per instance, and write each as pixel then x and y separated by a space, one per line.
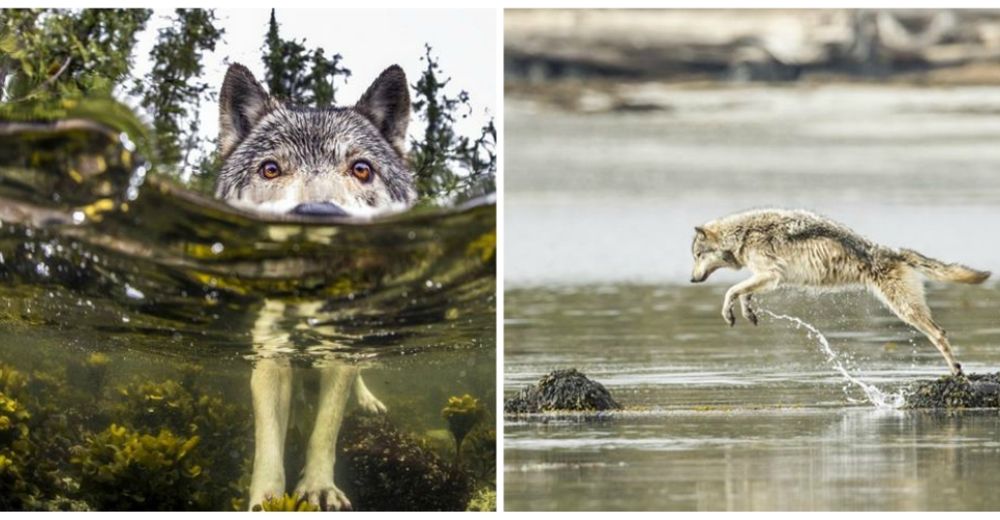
pixel 938 270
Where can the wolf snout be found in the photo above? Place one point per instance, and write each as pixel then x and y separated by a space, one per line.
pixel 319 209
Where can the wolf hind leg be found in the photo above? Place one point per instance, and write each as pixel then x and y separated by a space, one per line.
pixel 366 399
pixel 905 298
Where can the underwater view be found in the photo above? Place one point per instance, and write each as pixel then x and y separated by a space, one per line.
pixel 801 412
pixel 127 338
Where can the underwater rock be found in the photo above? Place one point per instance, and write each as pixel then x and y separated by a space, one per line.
pixel 969 391
pixel 388 470
pixel 567 390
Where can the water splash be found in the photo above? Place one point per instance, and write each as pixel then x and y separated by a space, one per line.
pixel 875 395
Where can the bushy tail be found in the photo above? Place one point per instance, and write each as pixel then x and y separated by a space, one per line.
pixel 938 270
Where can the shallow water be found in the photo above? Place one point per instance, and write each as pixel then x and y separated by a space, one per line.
pixel 129 301
pixel 599 213
pixel 745 418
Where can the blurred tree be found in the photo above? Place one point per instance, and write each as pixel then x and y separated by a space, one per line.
pixel 448 165
pixel 61 52
pixel 172 92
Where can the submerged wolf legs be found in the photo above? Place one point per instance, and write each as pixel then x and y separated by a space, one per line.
pixel 271 386
pixel 316 485
pixel 905 297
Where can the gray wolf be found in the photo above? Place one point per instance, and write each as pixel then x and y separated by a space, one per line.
pixel 325 162
pixel 801 249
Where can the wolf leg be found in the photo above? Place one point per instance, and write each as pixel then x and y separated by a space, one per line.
pixel 271 389
pixel 759 282
pixel 905 298
pixel 317 484
pixel 365 399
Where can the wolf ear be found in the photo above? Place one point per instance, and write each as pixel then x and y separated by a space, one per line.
pixel 242 102
pixel 386 104
pixel 708 234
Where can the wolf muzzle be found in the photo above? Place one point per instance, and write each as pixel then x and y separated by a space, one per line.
pixel 319 209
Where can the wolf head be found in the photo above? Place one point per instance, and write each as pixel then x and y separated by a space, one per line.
pixel 314 161
pixel 709 254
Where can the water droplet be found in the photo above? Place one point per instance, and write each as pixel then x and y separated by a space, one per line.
pixel 133 293
pixel 79 217
pixel 42 269
pixel 218 248
pixel 125 319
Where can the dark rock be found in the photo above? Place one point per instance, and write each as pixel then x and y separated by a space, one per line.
pixel 562 390
pixel 970 391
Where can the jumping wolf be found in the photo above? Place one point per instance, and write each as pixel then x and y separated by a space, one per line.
pixel 319 162
pixel 801 249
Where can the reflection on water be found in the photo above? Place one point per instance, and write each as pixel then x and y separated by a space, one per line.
pixel 131 313
pixel 599 217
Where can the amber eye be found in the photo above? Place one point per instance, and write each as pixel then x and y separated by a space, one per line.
pixel 362 171
pixel 269 170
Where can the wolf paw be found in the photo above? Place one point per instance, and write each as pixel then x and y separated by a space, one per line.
pixel 261 492
pixel 750 315
pixel 369 403
pixel 727 314
pixel 323 493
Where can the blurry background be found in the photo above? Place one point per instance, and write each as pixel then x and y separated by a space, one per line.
pixel 623 131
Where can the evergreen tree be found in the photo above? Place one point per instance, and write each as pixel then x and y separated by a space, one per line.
pixel 441 151
pixel 172 92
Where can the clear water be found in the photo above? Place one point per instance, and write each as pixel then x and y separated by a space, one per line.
pixel 114 278
pixel 599 211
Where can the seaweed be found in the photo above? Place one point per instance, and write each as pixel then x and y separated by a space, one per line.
pixel 483 500
pixel 562 390
pixel 462 415
pixel 287 503
pixel 956 392
pixel 390 470
pixel 125 470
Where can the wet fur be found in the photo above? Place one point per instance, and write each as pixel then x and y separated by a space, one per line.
pixel 801 249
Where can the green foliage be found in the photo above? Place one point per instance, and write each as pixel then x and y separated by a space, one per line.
pixel 298 75
pixel 172 92
pixel 447 165
pixel 66 53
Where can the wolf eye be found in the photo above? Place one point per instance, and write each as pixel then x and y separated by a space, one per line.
pixel 362 171
pixel 269 170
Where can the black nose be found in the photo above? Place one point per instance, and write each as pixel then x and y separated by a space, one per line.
pixel 319 209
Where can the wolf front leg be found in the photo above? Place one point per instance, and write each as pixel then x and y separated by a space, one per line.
pixel 271 390
pixel 336 380
pixel 759 282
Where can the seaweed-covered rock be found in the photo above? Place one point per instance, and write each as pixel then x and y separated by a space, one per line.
pixel 389 470
pixel 970 391
pixel 562 390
